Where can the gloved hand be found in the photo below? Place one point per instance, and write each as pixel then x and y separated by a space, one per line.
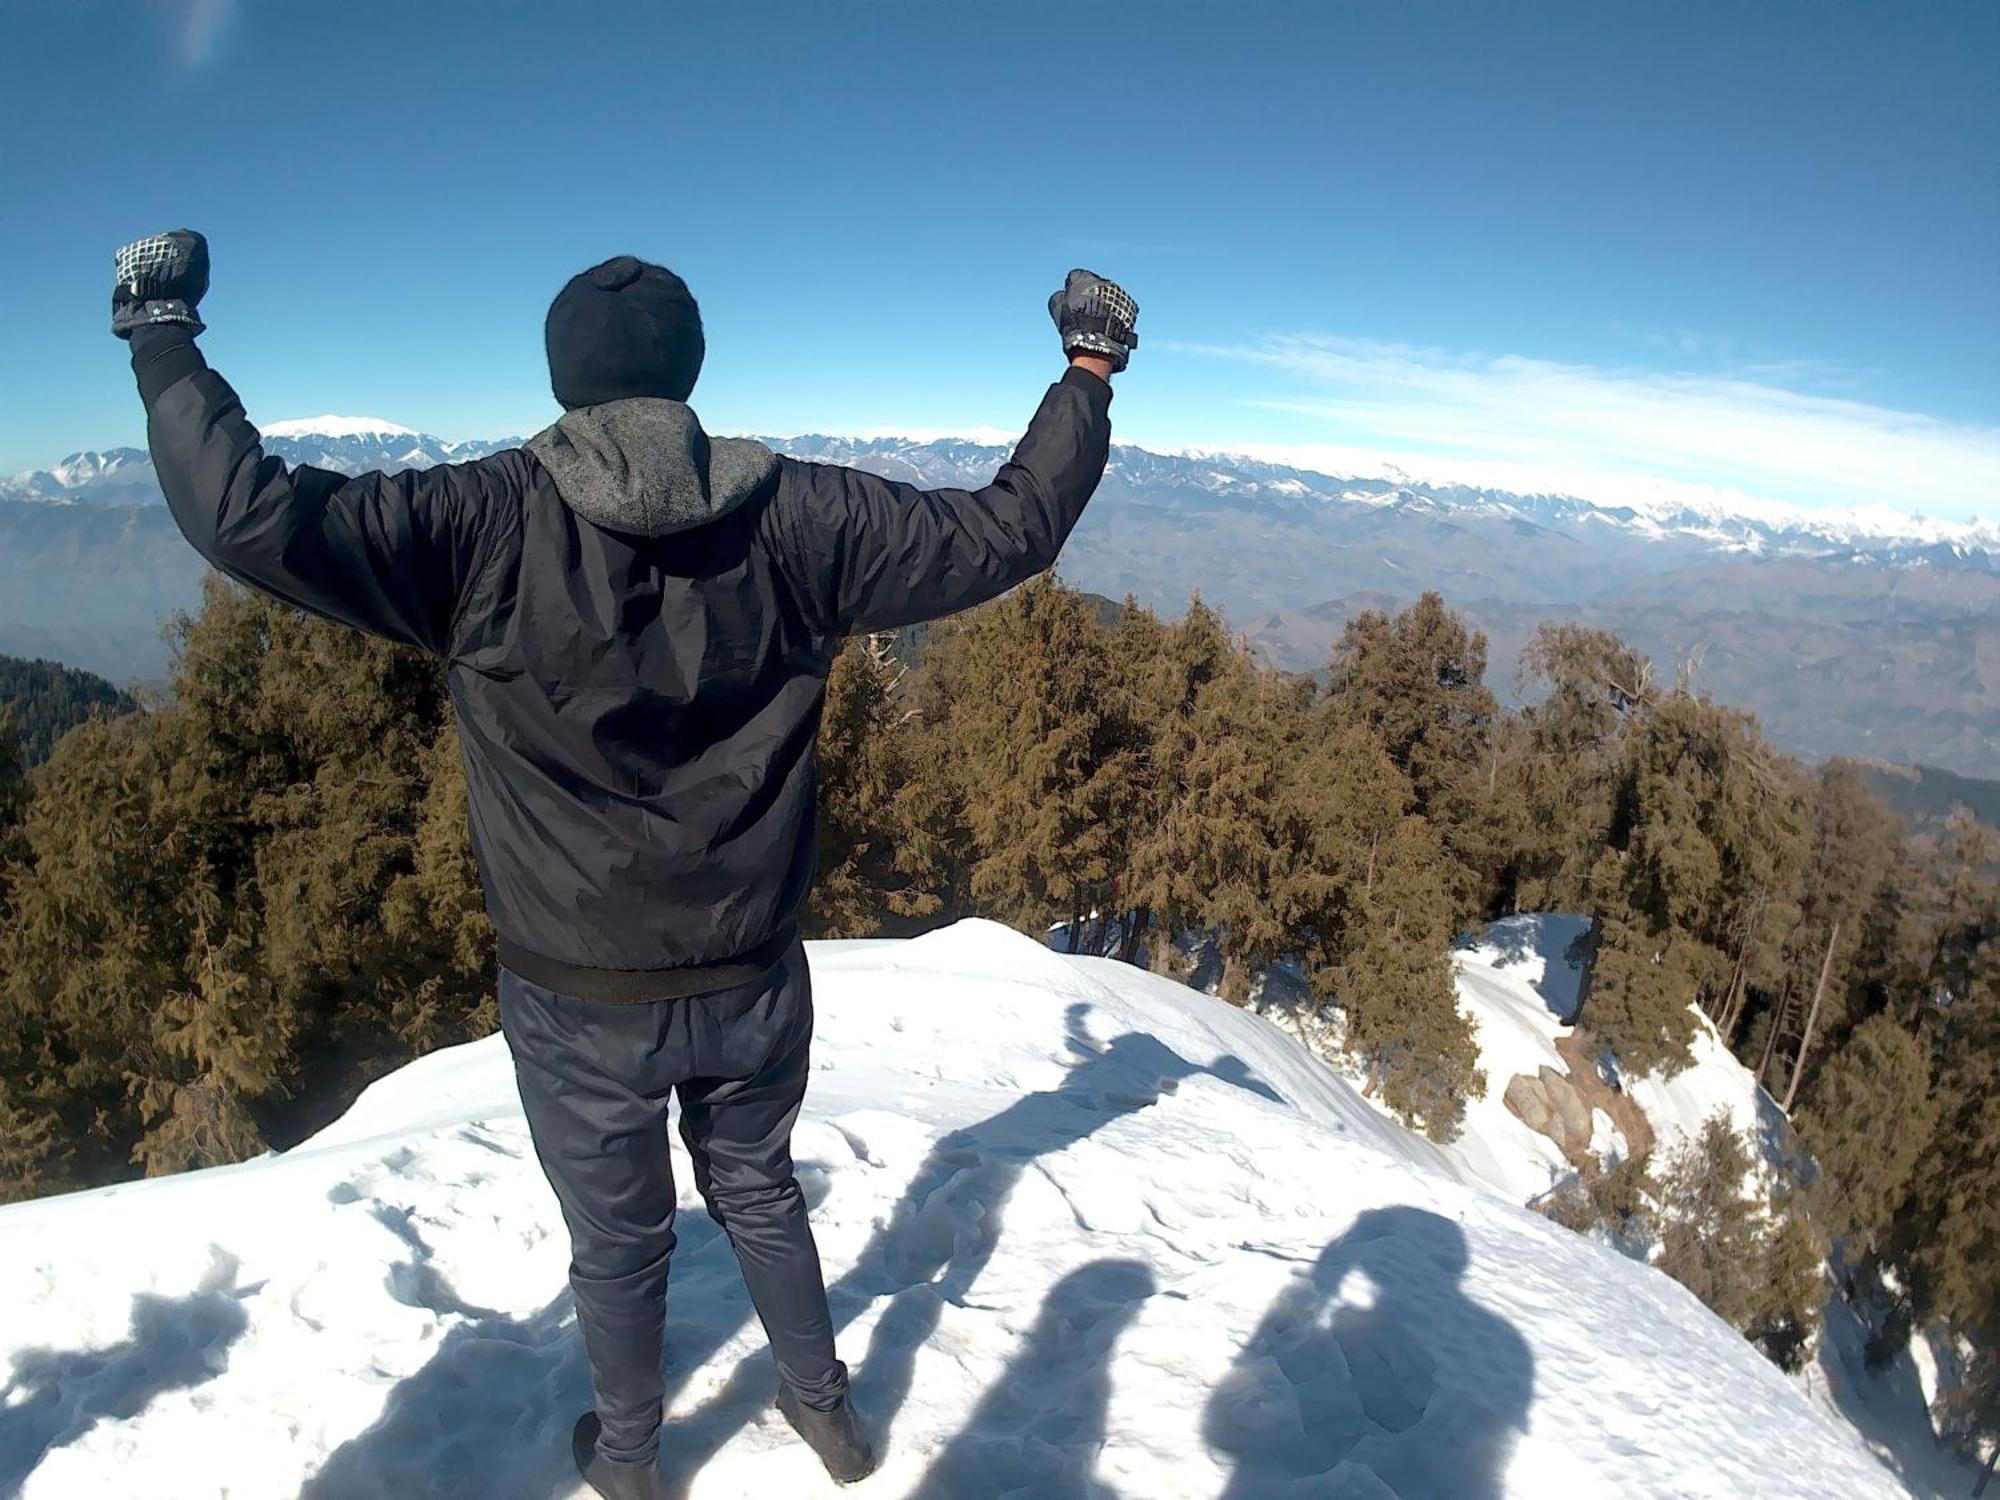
pixel 161 279
pixel 1096 316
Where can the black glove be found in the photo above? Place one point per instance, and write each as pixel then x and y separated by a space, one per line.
pixel 160 280
pixel 1096 316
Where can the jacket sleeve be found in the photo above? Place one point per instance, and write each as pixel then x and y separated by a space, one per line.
pixel 391 554
pixel 879 553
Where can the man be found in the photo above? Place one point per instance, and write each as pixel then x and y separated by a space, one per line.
pixel 636 622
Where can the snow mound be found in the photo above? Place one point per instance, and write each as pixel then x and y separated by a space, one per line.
pixel 1087 1233
pixel 1520 983
pixel 1519 987
pixel 1715 1083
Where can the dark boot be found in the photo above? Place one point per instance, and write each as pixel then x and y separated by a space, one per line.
pixel 836 1436
pixel 612 1480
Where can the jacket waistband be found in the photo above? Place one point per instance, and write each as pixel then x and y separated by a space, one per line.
pixel 633 986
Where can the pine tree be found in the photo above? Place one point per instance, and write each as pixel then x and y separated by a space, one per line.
pixel 864 760
pixel 1757 1264
pixel 1397 989
pixel 1707 1233
pixel 13 800
pixel 222 905
pixel 1944 1233
pixel 441 990
pixel 32 1161
pixel 1167 678
pixel 234 1043
pixel 1813 989
pixel 1868 1122
pixel 1416 681
pixel 46 700
pixel 1227 859
pixel 1021 733
pixel 96 939
pixel 1568 776
pixel 1705 843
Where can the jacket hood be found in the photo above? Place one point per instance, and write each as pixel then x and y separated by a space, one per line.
pixel 644 466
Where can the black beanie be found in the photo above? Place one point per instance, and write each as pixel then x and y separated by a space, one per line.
pixel 623 328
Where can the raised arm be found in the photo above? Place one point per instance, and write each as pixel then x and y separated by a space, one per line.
pixel 877 553
pixel 389 553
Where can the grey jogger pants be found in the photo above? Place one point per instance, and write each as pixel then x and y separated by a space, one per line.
pixel 595 1077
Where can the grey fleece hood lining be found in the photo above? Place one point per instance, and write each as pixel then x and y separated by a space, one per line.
pixel 644 466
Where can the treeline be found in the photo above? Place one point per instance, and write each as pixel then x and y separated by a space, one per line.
pixel 224 916
pixel 44 700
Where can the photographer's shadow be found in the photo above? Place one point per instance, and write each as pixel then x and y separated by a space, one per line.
pixel 1422 1388
pixel 54 1397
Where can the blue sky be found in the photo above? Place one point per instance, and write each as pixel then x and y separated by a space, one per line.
pixel 1605 247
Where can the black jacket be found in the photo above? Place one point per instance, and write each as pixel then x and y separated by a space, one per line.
pixel 637 707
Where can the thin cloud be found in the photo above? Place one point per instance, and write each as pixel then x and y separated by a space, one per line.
pixel 202 25
pixel 1620 435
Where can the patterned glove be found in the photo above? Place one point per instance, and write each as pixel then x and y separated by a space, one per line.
pixel 1096 316
pixel 160 280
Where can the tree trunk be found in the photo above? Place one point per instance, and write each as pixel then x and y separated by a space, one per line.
pixel 1778 1019
pixel 1732 1012
pixel 1739 968
pixel 1232 986
pixel 1812 1019
pixel 1134 934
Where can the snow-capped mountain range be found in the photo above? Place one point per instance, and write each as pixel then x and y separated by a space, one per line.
pixel 354 445
pixel 349 445
pixel 1755 526
pixel 1872 633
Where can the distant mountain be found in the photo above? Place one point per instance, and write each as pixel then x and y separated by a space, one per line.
pixel 117 476
pixel 1194 481
pixel 348 445
pixel 361 445
pixel 1927 796
pixel 1870 633
pixel 44 700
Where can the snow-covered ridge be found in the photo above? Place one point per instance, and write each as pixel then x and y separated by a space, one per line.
pixel 1721 521
pixel 337 427
pixel 1726 521
pixel 1087 1232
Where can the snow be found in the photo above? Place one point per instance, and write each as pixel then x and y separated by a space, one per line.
pixel 1652 505
pixel 1717 1083
pixel 1520 986
pixel 1888 1407
pixel 1518 989
pixel 335 427
pixel 1088 1232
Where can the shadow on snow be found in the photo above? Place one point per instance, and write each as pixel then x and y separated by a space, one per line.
pixel 1039 1427
pixel 1417 1394
pixel 488 1414
pixel 53 1397
pixel 941 1235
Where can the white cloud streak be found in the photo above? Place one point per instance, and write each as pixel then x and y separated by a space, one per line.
pixel 1622 436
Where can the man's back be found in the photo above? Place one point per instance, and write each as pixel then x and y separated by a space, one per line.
pixel 638 689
